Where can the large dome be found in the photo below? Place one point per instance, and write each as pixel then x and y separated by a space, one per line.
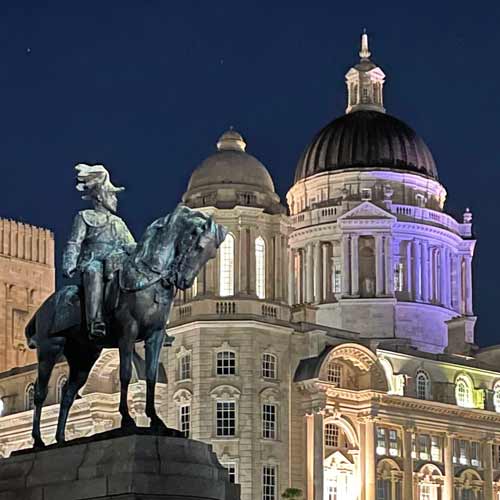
pixel 231 165
pixel 366 140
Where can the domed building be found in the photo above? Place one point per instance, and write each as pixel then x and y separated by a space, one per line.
pixel 328 347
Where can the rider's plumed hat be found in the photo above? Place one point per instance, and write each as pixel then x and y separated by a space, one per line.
pixel 92 179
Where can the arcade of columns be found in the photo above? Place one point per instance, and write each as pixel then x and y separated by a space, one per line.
pixel 430 273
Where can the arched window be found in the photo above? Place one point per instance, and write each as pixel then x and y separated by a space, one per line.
pixel 423 383
pixel 226 274
pixel 260 267
pixel 61 382
pixel 496 396
pixel 29 397
pixel 464 392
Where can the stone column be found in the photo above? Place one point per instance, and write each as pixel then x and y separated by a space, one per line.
pixel 389 270
pixel 346 265
pixel 243 269
pixel 379 276
pixel 370 459
pixel 448 467
pixel 318 272
pixel 468 285
pixel 315 454
pixel 326 261
pixel 355 265
pixel 458 284
pixel 488 468
pixel 408 270
pixel 425 271
pixel 291 277
pixel 309 273
pixel 407 465
pixel 417 270
pixel 442 257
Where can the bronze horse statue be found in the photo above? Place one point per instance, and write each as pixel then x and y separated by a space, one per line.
pixel 139 299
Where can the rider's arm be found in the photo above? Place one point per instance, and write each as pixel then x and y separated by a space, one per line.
pixel 73 246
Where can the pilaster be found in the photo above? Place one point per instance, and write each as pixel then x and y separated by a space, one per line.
pixel 355 265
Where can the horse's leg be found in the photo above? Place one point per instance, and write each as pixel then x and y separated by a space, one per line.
pixel 153 347
pixel 126 347
pixel 79 369
pixel 47 357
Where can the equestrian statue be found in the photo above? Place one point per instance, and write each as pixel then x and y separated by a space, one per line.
pixel 124 295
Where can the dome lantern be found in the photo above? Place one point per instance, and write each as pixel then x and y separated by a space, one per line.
pixel 365 83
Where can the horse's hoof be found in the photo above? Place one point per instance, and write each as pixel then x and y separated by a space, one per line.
pixel 128 423
pixel 38 443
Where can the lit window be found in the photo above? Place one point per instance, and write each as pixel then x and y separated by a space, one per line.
pixel 268 365
pixel 496 397
pixel 463 392
pixel 269 482
pixel 185 367
pixel 226 275
pixel 185 420
pixel 393 443
pixel 29 397
pixel 398 277
pixel 226 363
pixel 423 383
pixel 337 276
pixel 269 421
pixel 425 492
pixel 456 451
pixel 331 435
pixel 381 445
pixel 475 458
pixel 463 458
pixel 194 288
pixel 232 471
pixel 226 418
pixel 260 267
pixel 334 373
pixel 61 383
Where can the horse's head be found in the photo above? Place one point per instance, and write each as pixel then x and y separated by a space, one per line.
pixel 196 245
pixel 177 246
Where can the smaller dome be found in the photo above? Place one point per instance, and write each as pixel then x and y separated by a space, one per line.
pixel 231 165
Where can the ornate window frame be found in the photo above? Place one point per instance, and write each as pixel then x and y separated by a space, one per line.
pixel 464 390
pixel 181 354
pixel 226 347
pixel 226 393
pixel 427 381
pixel 29 397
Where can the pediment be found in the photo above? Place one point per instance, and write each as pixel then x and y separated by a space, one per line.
pixel 338 458
pixel 367 210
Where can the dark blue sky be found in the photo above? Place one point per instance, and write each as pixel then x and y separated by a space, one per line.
pixel 147 87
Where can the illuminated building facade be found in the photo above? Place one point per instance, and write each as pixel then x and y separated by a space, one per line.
pixel 328 348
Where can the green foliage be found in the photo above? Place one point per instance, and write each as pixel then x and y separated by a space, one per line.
pixel 293 493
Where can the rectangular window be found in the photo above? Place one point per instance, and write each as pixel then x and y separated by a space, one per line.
pixel 464 460
pixel 381 446
pixel 366 194
pixel 226 418
pixel 475 457
pixel 436 449
pixel 393 443
pixel 269 365
pixel 185 367
pixel 185 420
pixel 269 421
pixel 226 363
pixel 337 276
pixel 331 435
pixel 456 451
pixel 334 373
pixel 424 447
pixel 232 471
pixel 269 482
pixel 398 277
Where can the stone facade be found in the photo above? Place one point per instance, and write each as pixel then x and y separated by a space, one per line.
pixel 332 349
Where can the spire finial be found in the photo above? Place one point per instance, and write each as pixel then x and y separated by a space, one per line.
pixel 364 53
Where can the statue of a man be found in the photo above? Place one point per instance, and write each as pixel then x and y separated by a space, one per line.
pixel 98 244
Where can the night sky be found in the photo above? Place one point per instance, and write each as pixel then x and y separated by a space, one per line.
pixel 147 88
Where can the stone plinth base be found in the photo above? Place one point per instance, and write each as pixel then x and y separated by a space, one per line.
pixel 117 466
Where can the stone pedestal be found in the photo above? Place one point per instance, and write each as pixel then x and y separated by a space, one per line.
pixel 117 466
